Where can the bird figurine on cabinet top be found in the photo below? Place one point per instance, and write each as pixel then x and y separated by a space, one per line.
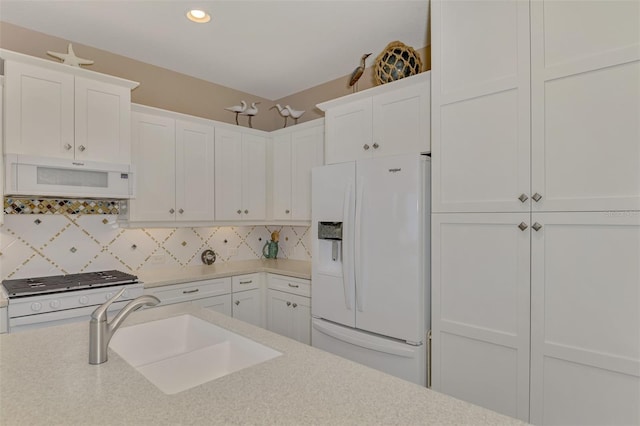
pixel 284 112
pixel 251 111
pixel 357 73
pixel 70 57
pixel 294 113
pixel 238 109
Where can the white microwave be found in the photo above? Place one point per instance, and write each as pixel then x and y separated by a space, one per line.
pixel 27 175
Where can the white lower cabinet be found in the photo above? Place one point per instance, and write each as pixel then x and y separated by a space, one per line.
pixel 214 294
pixel 289 307
pixel 220 304
pixel 247 299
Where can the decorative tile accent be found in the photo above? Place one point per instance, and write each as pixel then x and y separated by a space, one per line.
pixel 57 206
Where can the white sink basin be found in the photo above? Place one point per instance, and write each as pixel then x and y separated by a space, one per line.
pixel 181 352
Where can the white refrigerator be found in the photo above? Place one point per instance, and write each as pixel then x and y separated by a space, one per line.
pixel 371 269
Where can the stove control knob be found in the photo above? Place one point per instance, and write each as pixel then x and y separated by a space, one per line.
pixel 83 300
pixel 125 294
pixel 36 306
pixel 55 304
pixel 108 296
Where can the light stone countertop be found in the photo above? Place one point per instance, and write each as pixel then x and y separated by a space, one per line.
pixel 162 277
pixel 46 379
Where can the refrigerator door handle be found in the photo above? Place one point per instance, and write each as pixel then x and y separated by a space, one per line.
pixel 347 260
pixel 358 250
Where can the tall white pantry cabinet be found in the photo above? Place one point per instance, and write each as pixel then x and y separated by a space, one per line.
pixel 536 207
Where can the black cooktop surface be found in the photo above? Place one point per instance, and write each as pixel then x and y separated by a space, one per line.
pixel 70 282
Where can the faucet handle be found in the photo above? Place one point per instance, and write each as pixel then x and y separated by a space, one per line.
pixel 100 314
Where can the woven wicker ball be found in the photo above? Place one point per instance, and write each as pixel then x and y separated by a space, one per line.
pixel 396 61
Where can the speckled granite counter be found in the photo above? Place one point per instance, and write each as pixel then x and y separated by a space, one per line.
pixel 161 277
pixel 46 379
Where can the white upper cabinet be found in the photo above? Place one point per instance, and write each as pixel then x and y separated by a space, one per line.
pixel 55 110
pixel 390 119
pixel 480 106
pixel 585 99
pixel 295 151
pixel 174 160
pixel 240 175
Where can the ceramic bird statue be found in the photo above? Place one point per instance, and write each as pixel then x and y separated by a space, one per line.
pixel 251 111
pixel 357 73
pixel 284 112
pixel 70 57
pixel 294 113
pixel 238 109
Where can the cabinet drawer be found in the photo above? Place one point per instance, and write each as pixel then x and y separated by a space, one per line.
pixel 193 290
pixel 245 282
pixel 290 285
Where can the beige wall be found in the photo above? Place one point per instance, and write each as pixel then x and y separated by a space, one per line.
pixel 173 91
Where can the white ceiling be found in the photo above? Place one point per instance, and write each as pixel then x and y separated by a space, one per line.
pixel 267 48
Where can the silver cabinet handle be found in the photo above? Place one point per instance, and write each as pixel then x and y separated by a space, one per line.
pixel 536 197
pixel 295 305
pixel 246 282
pixel 81 148
pixel 294 285
pixel 67 146
pixel 181 211
pixel 366 147
pixel 237 302
pixel 522 226
pixel 375 145
pixel 172 211
pixel 239 212
pixel 536 226
pixel 190 291
pixel 287 211
pixel 523 198
pixel 246 212
pixel 288 303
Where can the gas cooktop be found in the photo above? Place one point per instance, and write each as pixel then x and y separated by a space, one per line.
pixel 70 282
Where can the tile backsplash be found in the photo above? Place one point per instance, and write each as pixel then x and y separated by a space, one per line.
pixel 51 244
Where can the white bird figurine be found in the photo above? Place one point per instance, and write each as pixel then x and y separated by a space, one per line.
pixel 70 57
pixel 283 112
pixel 251 111
pixel 294 113
pixel 238 109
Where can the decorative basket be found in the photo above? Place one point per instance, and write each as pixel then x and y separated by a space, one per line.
pixel 396 61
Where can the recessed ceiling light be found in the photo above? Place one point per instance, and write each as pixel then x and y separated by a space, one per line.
pixel 199 16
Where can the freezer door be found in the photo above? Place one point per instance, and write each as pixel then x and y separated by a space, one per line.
pixel 332 272
pixel 398 359
pixel 390 246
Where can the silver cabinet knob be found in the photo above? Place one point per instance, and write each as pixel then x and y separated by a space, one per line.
pixel 288 303
pixel 181 211
pixel 295 305
pixel 523 198
pixel 67 146
pixel 246 212
pixel 172 211
pixel 81 148
pixel 376 146
pixel 287 211
pixel 239 212
pixel 536 197
pixel 522 226
pixel 536 226
pixel 366 147
pixel 237 302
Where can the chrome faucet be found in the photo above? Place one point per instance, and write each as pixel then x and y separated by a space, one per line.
pixel 100 331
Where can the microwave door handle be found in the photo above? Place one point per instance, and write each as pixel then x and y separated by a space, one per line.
pixel 347 261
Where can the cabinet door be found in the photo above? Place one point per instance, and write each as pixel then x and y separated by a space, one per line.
pixel 306 153
pixel 585 318
pixel 281 196
pixel 401 121
pixel 279 315
pixel 480 106
pixel 220 304
pixel 39 111
pixel 247 306
pixel 194 171
pixel 254 177
pixel 480 309
pixel 349 132
pixel 228 174
pixel 301 319
pixel 585 98
pixel 102 121
pixel 153 155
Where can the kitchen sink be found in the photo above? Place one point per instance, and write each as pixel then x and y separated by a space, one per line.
pixel 182 352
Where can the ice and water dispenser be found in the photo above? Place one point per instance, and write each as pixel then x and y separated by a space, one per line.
pixel 330 235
